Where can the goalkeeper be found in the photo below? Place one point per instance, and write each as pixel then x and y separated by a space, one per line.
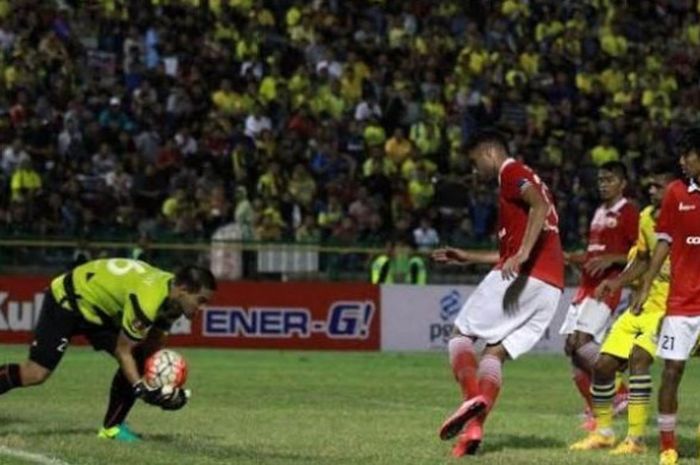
pixel 124 307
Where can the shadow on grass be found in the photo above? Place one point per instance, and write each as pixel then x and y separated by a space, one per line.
pixel 501 442
pixel 56 431
pixel 687 447
pixel 202 446
pixel 11 420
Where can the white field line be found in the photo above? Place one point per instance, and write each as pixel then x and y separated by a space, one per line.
pixel 30 456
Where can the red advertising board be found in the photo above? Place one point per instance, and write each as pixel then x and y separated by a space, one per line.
pixel 20 303
pixel 304 315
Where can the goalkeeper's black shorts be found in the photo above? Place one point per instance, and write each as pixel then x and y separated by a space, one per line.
pixel 57 326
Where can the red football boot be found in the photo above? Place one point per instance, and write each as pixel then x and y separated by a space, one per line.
pixel 468 410
pixel 468 442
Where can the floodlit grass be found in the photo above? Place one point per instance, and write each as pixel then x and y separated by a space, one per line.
pixel 268 407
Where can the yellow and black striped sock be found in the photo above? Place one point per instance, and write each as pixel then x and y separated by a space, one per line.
pixel 603 395
pixel 638 409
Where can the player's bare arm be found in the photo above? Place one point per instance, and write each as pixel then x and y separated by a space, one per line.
pixel 575 258
pixel 124 355
pixel 597 265
pixel 634 271
pixel 536 217
pixel 661 251
pixel 451 255
pixel 155 340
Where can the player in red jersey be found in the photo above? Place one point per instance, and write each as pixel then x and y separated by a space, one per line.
pixel 678 233
pixel 513 305
pixel 612 233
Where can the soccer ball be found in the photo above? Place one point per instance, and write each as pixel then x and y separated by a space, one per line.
pixel 166 368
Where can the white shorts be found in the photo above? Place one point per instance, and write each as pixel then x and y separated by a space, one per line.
pixel 678 336
pixel 513 312
pixel 588 316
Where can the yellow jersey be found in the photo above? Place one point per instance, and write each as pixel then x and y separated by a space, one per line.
pixel 646 242
pixel 115 292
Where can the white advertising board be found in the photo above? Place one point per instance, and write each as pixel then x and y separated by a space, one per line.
pixel 419 318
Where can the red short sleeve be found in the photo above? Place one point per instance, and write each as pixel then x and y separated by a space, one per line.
pixel 669 207
pixel 514 179
pixel 630 224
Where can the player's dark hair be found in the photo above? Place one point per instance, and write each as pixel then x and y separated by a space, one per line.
pixel 195 278
pixel 615 167
pixel 486 136
pixel 665 167
pixel 689 141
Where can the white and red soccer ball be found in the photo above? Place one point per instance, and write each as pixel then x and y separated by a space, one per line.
pixel 166 368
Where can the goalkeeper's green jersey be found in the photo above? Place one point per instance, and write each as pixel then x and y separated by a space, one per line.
pixel 117 292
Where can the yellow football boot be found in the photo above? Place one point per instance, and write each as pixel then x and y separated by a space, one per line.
pixel 594 441
pixel 668 457
pixel 629 447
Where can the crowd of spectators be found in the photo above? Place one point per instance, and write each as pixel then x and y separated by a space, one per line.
pixel 326 120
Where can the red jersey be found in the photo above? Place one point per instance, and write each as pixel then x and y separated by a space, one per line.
pixel 613 231
pixel 546 261
pixel 679 224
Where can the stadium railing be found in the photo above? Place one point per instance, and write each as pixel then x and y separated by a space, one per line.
pixel 229 259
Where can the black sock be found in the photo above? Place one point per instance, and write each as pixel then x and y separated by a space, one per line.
pixel 9 377
pixel 121 400
pixel 121 394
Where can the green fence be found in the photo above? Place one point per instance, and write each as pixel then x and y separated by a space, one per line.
pixel 232 259
pixel 246 260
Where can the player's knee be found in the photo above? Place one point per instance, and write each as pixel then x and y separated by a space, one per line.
pixel 605 366
pixel 572 344
pixel 497 351
pixel 581 339
pixel 33 374
pixel 673 372
pixel 640 361
pixel 569 346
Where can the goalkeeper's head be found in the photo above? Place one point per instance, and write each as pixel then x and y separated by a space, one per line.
pixel 192 288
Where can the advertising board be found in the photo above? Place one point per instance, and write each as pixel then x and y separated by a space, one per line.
pixel 332 316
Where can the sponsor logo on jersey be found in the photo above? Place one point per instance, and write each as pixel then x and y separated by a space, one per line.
pixel 682 207
pixel 596 248
pixel 139 326
pixel 692 240
pixel 604 219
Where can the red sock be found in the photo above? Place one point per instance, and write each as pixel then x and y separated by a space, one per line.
pixel 667 430
pixel 582 379
pixel 464 366
pixel 668 440
pixel 490 379
pixel 622 389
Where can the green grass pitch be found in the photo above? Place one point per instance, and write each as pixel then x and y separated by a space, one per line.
pixel 273 408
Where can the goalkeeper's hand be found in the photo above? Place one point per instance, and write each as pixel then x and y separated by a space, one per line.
pixel 150 395
pixel 176 400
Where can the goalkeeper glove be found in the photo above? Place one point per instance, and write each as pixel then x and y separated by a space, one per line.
pixel 176 400
pixel 150 395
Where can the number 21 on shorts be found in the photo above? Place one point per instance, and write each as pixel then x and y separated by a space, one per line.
pixel 667 342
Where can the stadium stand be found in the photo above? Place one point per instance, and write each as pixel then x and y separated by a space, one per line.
pixel 338 121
